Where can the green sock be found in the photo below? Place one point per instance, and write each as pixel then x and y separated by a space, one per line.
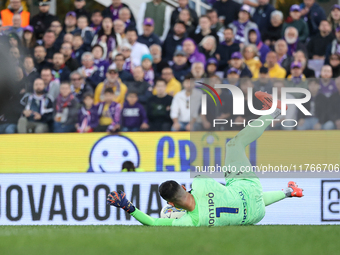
pixel 271 197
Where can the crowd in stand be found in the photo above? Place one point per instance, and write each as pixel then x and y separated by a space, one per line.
pixel 98 71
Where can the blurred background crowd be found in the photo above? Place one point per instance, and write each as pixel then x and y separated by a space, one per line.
pixel 110 70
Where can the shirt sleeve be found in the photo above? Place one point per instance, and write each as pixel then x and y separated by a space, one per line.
pixel 184 221
pixel 150 221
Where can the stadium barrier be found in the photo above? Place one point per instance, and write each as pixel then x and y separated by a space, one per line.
pixel 80 199
pixel 159 151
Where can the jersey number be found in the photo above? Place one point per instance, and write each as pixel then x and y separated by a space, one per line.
pixel 220 210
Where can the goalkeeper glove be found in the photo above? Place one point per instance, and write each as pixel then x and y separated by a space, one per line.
pixel 118 199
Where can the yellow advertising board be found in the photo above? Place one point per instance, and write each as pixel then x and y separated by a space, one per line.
pixel 158 151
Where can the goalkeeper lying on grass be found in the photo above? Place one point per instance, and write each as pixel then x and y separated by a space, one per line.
pixel 240 202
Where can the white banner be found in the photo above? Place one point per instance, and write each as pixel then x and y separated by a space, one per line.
pixel 80 198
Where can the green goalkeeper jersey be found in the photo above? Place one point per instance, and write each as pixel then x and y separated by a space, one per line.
pixel 219 205
pixel 238 203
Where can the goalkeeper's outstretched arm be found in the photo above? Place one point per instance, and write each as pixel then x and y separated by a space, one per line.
pixel 150 221
pixel 118 199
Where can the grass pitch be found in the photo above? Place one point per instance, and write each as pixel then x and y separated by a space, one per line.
pixel 129 240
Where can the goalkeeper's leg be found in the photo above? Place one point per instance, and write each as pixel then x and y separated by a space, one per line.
pixel 235 149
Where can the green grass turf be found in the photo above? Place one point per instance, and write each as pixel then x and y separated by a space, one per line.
pixel 126 240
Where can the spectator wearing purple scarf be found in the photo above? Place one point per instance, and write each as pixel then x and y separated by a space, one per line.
pixel 99 59
pixel 96 20
pixel 149 74
pixel 108 112
pixel 292 39
pixel 242 26
pixel 254 37
pixel 113 10
pixel 88 115
pixel 106 37
pixel 191 49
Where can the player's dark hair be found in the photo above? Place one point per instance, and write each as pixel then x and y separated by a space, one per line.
pixel 168 190
pixel 108 90
pixel 129 166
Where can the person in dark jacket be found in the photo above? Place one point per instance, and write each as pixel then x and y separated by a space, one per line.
pixel 318 107
pixel 134 117
pixel 295 20
pixel 140 86
pixel 88 115
pixel 12 109
pixel 334 62
pixel 60 70
pixel 203 30
pixel 185 17
pixel 333 47
pixel 42 21
pixel 318 44
pixel 38 112
pixel 47 42
pixel 65 110
pixel 313 14
pixel 227 11
pixel 180 67
pixel 91 72
pixel 96 20
pixel 79 9
pixel 158 108
pixel 183 4
pixel 208 47
pixel 273 33
pixel 227 48
pixel 66 50
pixel 30 73
pixel 300 56
pixel 113 10
pixel 262 15
pixel 281 50
pixel 158 64
pixel 149 37
pixel 78 86
pixel 124 75
pixel 57 28
pixel 237 62
pixel 173 40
